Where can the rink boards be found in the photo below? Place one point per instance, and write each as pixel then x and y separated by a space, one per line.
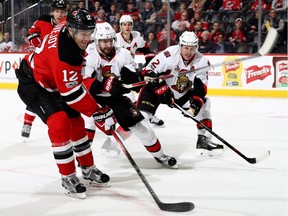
pixel 260 77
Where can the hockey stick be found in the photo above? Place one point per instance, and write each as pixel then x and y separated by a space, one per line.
pixel 28 8
pixel 172 207
pixel 258 159
pixel 265 49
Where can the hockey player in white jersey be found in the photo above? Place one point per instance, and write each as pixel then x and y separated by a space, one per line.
pixel 134 41
pixel 189 90
pixel 113 66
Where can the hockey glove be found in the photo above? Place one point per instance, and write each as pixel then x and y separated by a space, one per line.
pixel 162 90
pixel 105 120
pixel 34 39
pixel 196 104
pixel 114 86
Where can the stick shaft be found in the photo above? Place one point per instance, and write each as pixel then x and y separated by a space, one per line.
pixel 133 163
pixel 172 207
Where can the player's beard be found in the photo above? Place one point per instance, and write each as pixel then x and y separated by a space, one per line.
pixel 107 51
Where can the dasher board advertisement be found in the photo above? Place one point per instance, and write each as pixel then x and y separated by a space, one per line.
pixel 267 72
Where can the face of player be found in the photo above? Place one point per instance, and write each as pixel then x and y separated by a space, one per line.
pixel 82 37
pixel 58 15
pixel 188 52
pixel 106 46
pixel 126 28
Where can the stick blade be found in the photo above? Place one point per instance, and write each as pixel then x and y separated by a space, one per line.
pixel 176 207
pixel 269 42
pixel 260 158
pixel 263 156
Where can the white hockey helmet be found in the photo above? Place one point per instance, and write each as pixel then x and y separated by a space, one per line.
pixel 189 39
pixel 126 18
pixel 104 31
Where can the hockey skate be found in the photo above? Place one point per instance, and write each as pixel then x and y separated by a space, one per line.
pixel 26 129
pixel 110 148
pixel 206 147
pixel 95 178
pixel 167 161
pixel 156 121
pixel 73 187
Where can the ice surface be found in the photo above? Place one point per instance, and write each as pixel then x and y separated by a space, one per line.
pixel 218 186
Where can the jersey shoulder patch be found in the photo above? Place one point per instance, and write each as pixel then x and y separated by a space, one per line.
pixel 167 53
pixel 91 48
pixel 136 34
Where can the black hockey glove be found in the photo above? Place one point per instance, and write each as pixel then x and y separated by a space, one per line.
pixel 105 120
pixel 196 104
pixel 114 86
pixel 162 90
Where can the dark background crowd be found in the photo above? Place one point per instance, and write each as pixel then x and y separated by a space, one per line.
pixel 223 26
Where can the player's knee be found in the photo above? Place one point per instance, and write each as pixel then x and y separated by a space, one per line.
pixel 59 128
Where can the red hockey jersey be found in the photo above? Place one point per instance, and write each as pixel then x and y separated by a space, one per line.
pixel 57 66
pixel 39 29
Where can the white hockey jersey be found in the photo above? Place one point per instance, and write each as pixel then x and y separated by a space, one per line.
pixel 170 61
pixel 95 63
pixel 136 42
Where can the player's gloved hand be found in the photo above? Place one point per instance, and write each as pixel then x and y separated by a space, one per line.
pixel 163 91
pixel 150 76
pixel 114 86
pixel 195 105
pixel 35 40
pixel 105 120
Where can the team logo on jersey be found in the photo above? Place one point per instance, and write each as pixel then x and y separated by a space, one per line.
pixel 182 84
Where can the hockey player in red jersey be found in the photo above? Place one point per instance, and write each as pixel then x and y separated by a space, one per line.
pixel 41 27
pixel 189 90
pixel 113 66
pixel 51 83
pixel 44 24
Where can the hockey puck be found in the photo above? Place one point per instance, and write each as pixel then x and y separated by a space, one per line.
pixel 105 178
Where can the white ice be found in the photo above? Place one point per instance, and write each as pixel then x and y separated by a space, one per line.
pixel 226 185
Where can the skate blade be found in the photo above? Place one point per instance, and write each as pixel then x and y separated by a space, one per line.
pixel 205 152
pixel 171 167
pixel 75 195
pixel 157 126
pixel 94 184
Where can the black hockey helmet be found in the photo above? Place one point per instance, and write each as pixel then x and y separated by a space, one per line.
pixel 80 19
pixel 58 4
